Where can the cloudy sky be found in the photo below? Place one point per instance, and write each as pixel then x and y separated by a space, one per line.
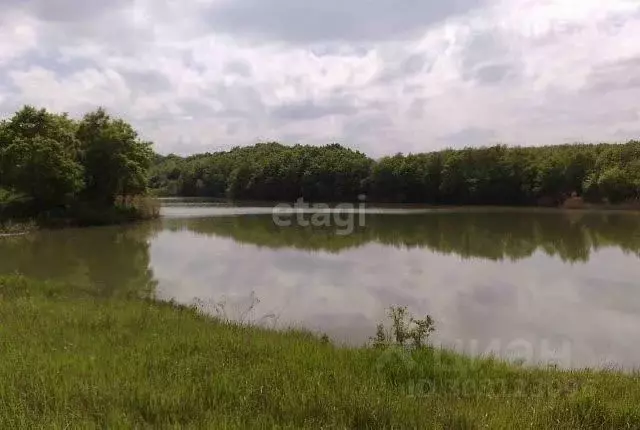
pixel 382 76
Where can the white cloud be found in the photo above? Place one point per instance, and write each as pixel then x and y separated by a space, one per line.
pixel 17 36
pixel 515 71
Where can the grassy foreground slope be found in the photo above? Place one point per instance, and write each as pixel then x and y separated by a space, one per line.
pixel 71 360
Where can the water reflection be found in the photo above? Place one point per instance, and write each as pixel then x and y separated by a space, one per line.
pixel 548 278
pixel 487 235
pixel 109 260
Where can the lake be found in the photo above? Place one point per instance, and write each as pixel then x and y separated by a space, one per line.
pixel 543 286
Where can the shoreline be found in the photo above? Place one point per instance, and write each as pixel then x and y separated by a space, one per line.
pixel 33 225
pixel 137 210
pixel 126 361
pixel 592 207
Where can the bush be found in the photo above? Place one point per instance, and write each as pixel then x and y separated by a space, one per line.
pixel 406 331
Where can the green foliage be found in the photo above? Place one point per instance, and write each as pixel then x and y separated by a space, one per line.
pixel 41 168
pixel 13 205
pixel 38 157
pixel 29 123
pixel 58 164
pixel 266 171
pixel 116 161
pixel 496 175
pixel 406 331
pixel 617 184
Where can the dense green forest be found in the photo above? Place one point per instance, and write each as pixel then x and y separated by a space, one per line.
pixel 498 175
pixel 55 167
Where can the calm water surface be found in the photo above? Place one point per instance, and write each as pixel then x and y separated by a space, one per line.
pixel 539 285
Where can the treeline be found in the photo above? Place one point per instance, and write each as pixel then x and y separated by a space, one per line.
pixel 56 167
pixel 266 171
pixel 498 175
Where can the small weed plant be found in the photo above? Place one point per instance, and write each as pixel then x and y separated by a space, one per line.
pixel 406 331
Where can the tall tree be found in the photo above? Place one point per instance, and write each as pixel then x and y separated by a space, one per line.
pixel 38 157
pixel 115 160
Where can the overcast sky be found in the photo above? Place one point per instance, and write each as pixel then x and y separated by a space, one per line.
pixel 382 76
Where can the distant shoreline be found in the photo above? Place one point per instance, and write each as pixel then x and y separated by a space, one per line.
pixel 627 207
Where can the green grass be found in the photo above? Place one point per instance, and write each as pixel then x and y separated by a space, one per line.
pixel 69 359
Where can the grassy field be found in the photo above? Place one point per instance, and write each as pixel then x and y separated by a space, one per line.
pixel 72 360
